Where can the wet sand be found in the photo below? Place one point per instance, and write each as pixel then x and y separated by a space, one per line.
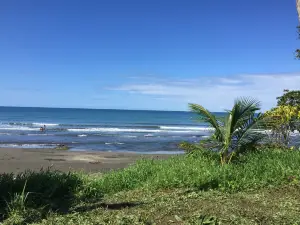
pixel 13 160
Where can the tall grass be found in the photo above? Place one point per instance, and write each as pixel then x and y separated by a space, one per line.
pixel 255 170
pixel 47 190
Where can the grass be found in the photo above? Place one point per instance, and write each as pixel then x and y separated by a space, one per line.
pixel 183 206
pixel 203 172
pixel 260 188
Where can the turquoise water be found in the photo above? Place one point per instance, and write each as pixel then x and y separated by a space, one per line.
pixel 99 130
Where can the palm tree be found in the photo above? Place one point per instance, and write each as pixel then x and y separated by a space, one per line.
pixel 238 131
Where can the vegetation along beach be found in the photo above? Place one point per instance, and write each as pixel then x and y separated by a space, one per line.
pixel 149 113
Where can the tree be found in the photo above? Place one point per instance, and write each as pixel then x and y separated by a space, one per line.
pixel 285 120
pixel 291 98
pixel 237 131
pixel 285 117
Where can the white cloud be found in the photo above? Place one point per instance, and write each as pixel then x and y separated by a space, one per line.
pixel 217 93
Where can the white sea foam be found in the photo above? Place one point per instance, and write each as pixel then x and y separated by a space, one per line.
pixel 27 145
pixel 205 136
pixel 132 130
pixel 117 143
pixel 106 129
pixel 130 136
pixel 17 128
pixel 24 127
pixel 187 128
pixel 46 124
pixel 82 135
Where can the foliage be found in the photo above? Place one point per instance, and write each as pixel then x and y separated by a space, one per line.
pixel 190 148
pixel 290 98
pixel 18 201
pixel 46 189
pixel 285 120
pixel 197 171
pixel 285 117
pixel 237 133
pixel 202 171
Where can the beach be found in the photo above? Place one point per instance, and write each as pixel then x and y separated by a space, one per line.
pixel 16 160
pixel 98 140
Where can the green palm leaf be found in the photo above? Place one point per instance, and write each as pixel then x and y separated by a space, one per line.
pixel 243 108
pixel 208 117
pixel 239 131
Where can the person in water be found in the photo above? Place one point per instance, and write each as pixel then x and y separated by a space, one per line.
pixel 43 128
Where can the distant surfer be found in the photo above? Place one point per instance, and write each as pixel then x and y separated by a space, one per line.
pixel 43 128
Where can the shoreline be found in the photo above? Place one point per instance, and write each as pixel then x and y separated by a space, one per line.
pixel 16 160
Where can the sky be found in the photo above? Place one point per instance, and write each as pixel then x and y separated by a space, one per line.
pixel 148 54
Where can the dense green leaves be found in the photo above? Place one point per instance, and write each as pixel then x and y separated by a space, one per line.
pixel 291 98
pixel 239 130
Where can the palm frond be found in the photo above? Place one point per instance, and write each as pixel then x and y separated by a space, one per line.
pixel 244 108
pixel 239 130
pixel 227 132
pixel 249 140
pixel 253 123
pixel 208 117
pixel 251 134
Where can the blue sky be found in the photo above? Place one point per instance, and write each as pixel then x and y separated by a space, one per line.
pixel 154 54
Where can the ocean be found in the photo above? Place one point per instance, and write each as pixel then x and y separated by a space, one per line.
pixel 99 130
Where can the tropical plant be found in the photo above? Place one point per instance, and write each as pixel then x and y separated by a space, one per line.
pixel 285 120
pixel 291 98
pixel 238 131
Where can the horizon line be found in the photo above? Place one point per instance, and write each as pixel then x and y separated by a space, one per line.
pixel 49 107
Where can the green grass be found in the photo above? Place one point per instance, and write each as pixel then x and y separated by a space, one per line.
pixel 256 170
pixel 183 206
pixel 183 189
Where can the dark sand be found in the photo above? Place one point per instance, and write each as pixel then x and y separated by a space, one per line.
pixel 18 160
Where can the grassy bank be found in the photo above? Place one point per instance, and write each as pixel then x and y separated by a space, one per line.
pixel 182 189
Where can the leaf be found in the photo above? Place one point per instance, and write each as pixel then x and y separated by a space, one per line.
pixel 239 129
pixel 178 218
pixel 209 118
